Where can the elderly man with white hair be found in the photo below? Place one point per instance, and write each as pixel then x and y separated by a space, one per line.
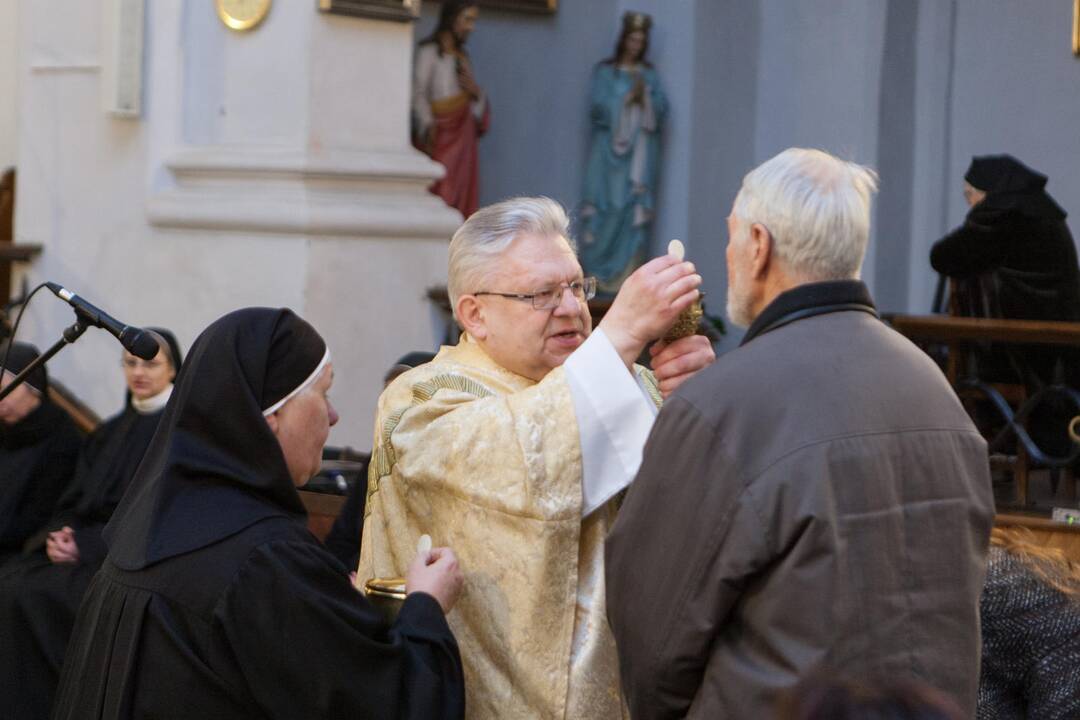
pixel 817 500
pixel 515 446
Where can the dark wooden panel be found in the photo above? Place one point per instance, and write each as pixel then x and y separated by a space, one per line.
pixel 322 509
pixel 945 329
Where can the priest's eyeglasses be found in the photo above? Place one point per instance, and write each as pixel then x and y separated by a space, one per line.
pixel 551 297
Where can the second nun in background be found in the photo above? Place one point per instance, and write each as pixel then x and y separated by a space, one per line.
pixel 40 591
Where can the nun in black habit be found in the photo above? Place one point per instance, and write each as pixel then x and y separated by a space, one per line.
pixel 215 600
pixel 1014 257
pixel 1015 230
pixel 39 445
pixel 40 590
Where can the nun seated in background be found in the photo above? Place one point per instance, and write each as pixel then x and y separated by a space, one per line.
pixel 38 448
pixel 1015 258
pixel 40 591
pixel 215 599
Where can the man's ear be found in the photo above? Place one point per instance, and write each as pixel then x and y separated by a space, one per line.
pixel 762 243
pixel 470 313
pixel 272 421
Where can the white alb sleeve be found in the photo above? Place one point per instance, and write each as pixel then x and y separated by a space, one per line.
pixel 614 417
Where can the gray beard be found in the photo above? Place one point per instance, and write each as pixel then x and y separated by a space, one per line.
pixel 738 309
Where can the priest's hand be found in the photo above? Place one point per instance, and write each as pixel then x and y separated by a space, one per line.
pixel 436 573
pixel 60 546
pixel 675 363
pixel 648 303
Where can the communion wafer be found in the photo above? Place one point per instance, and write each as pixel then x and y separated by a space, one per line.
pixel 675 247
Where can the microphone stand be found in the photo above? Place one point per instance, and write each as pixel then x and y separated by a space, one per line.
pixel 70 335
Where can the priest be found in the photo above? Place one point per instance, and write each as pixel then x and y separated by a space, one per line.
pixel 40 590
pixel 514 446
pixel 38 449
pixel 215 599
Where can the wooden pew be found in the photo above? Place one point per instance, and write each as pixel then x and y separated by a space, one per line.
pixel 957 332
pixel 9 251
pixel 85 418
pixel 1047 532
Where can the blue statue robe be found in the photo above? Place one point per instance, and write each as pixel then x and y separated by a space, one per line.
pixel 620 178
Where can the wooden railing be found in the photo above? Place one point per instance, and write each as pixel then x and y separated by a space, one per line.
pixel 947 329
pixel 85 418
pixel 1048 533
pixel 957 332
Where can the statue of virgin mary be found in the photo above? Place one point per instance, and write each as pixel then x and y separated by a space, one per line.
pixel 627 109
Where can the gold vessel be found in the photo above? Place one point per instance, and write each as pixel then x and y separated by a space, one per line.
pixel 687 322
pixel 386 594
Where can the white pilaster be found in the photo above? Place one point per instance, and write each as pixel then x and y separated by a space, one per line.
pixel 270 167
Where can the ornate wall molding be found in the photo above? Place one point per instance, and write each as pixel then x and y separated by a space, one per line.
pixel 343 193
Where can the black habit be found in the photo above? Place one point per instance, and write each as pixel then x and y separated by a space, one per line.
pixel 37 459
pixel 39 598
pixel 215 600
pixel 1018 233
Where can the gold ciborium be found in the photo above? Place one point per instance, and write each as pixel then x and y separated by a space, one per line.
pixel 687 322
pixel 386 594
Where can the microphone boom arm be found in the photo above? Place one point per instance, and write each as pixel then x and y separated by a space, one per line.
pixel 70 335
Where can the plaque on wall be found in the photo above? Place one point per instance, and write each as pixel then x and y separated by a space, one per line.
pixel 537 6
pixel 401 10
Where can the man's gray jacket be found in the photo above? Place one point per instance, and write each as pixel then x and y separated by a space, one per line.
pixel 817 500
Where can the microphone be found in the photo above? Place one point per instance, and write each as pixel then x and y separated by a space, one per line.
pixel 135 340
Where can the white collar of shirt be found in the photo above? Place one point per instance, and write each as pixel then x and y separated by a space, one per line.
pixel 152 404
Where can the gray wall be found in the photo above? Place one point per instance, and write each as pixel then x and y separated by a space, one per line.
pixel 726 48
pixel 913 88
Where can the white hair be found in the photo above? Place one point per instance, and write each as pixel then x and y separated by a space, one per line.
pixel 477 245
pixel 816 208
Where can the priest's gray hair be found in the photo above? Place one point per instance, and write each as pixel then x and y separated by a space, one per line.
pixel 816 208
pixel 477 245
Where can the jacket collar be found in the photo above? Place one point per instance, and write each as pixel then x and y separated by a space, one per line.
pixel 810 300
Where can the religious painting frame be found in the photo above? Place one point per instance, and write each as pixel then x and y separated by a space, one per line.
pixel 1076 28
pixel 533 6
pixel 399 10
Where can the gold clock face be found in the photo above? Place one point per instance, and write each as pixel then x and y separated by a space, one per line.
pixel 242 14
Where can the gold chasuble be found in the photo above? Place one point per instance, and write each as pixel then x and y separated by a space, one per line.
pixel 489 463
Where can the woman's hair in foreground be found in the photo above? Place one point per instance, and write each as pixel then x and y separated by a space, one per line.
pixel 1049 563
pixel 489 232
pixel 828 698
pixel 816 207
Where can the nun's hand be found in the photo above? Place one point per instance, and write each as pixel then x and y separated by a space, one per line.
pixel 60 546
pixel 436 573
